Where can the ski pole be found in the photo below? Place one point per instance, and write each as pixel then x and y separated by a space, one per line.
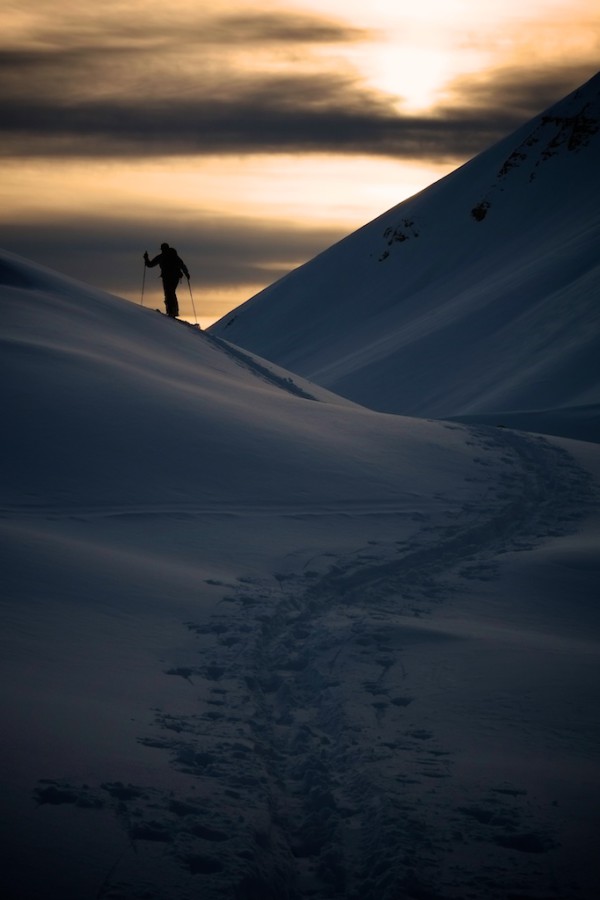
pixel 192 299
pixel 143 284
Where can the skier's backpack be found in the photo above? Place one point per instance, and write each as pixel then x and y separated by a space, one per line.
pixel 173 263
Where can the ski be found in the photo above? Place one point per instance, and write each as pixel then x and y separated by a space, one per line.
pixel 193 325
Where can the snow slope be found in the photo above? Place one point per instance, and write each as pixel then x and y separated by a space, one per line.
pixel 259 641
pixel 475 299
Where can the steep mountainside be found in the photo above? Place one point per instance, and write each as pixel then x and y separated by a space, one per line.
pixel 476 298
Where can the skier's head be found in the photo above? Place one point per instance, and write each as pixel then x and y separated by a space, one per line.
pixel 164 246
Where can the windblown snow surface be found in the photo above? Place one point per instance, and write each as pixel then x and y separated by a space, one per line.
pixel 261 642
pixel 477 299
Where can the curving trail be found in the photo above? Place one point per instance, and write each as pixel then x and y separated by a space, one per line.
pixel 324 739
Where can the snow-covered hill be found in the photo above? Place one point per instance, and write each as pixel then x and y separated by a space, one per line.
pixel 476 299
pixel 260 642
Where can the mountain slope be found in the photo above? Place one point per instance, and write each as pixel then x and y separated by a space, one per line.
pixel 475 298
pixel 157 409
pixel 256 644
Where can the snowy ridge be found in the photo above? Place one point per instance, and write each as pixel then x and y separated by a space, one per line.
pixel 476 297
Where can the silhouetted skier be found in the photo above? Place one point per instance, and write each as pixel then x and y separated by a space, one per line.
pixel 172 268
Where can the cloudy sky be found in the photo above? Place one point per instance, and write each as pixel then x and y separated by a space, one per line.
pixel 251 134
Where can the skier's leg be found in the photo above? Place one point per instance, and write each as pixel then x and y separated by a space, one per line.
pixel 171 304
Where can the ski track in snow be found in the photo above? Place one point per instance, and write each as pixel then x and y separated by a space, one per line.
pixel 311 771
pixel 192 510
pixel 249 362
pixel 252 365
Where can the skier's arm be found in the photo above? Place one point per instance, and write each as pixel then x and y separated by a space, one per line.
pixel 183 268
pixel 151 262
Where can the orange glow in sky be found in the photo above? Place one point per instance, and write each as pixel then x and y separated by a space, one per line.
pixel 255 134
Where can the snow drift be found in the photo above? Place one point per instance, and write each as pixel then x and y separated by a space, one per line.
pixel 259 641
pixel 476 299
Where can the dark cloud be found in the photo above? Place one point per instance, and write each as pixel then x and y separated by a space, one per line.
pixel 517 93
pixel 301 114
pixel 166 54
pixel 197 28
pixel 306 112
pixel 294 28
pixel 221 252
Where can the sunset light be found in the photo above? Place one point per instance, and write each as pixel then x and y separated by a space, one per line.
pixel 254 135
